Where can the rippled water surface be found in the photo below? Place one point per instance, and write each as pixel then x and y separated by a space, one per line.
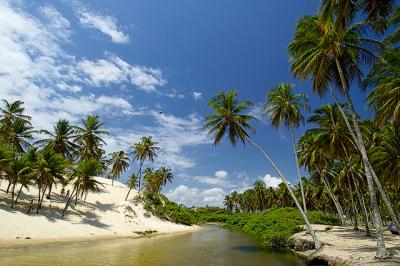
pixel 210 246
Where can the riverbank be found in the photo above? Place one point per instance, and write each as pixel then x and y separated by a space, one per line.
pixel 344 246
pixel 105 215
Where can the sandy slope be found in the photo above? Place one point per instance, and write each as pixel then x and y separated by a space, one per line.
pixel 103 215
pixel 343 244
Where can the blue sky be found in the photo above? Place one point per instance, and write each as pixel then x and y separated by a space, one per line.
pixel 129 60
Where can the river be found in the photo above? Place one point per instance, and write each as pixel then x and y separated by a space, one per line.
pixel 212 245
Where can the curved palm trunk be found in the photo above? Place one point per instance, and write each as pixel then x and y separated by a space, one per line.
pixel 8 187
pixel 19 193
pixel 140 175
pixel 381 252
pixel 298 170
pixel 68 202
pixel 305 218
pixel 334 198
pixel 130 188
pixel 41 199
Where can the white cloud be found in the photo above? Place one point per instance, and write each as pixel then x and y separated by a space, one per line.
pixel 196 95
pixel 221 174
pixel 34 64
pixel 271 181
pixel 113 70
pixel 194 196
pixel 104 23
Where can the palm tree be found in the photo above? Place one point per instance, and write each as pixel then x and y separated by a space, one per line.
pixel 284 107
pixel 260 194
pixel 82 178
pixel 143 150
pixel 228 203
pixel 377 11
pixel 132 183
pixel 385 80
pixel 61 141
pixel 119 163
pixel 48 167
pixel 11 112
pixel 19 135
pixel 16 170
pixel 332 56
pixel 163 175
pixel 88 138
pixel 230 119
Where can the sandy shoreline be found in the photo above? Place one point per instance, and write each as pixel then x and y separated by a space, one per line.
pixel 105 215
pixel 344 246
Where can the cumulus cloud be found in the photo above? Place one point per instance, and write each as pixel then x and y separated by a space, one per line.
pixel 196 95
pixel 113 70
pixel 221 174
pixel 195 196
pixel 271 181
pixel 106 24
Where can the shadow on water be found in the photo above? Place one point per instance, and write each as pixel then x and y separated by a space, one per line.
pixel 250 249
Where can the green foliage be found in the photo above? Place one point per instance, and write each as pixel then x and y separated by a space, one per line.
pixel 163 208
pixel 274 227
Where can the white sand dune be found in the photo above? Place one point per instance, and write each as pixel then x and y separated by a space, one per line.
pixel 103 215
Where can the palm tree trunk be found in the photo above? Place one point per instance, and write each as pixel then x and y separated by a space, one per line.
pixel 334 198
pixel 353 206
pixel 140 175
pixel 68 202
pixel 112 180
pixel 381 252
pixel 40 189
pixel 41 199
pixel 19 192
pixel 317 244
pixel 13 194
pixel 76 197
pixel 298 170
pixel 363 207
pixel 49 194
pixel 8 187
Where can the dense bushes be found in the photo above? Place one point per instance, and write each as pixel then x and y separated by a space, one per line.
pixel 274 227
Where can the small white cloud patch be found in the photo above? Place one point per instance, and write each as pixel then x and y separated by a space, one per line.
pixel 271 181
pixel 196 95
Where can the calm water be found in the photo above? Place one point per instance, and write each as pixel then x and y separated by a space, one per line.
pixel 210 246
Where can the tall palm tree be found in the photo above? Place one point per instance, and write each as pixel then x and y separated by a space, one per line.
pixel 229 118
pixel 19 135
pixel 162 176
pixel 332 56
pixel 283 107
pixel 119 163
pixel 88 137
pixel 384 78
pixel 143 150
pixel 260 194
pixel 377 12
pixel 132 183
pixel 16 170
pixel 61 141
pixel 82 178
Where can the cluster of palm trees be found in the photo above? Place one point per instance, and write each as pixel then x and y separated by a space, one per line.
pixel 354 164
pixel 69 155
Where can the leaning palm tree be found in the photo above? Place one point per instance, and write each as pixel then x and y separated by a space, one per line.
pixel 88 137
pixel 82 178
pixel 332 56
pixel 119 163
pixel 229 118
pixel 132 183
pixel 61 141
pixel 143 150
pixel 16 170
pixel 283 107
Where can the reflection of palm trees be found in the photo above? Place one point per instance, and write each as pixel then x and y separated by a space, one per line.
pixel 229 119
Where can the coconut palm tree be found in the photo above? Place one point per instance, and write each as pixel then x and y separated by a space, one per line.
pixel 82 178
pixel 11 112
pixel 19 136
pixel 48 168
pixel 119 163
pixel 384 78
pixel 162 176
pixel 61 141
pixel 332 56
pixel 132 183
pixel 260 195
pixel 16 169
pixel 88 137
pixel 283 107
pixel 229 118
pixel 143 150
pixel 377 12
